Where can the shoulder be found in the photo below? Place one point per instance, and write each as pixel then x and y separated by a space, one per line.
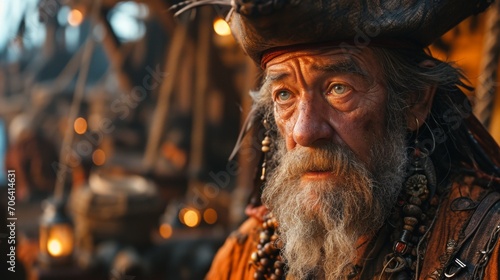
pixel 232 259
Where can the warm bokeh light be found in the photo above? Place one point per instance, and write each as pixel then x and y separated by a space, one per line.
pixel 191 218
pixel 60 240
pixel 210 216
pixel 75 17
pixel 80 125
pixel 99 157
pixel 166 231
pixel 54 247
pixel 181 214
pixel 221 27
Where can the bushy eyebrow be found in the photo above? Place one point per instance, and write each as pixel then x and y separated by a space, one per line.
pixel 276 77
pixel 272 78
pixel 341 67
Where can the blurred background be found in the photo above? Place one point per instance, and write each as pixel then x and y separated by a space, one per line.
pixel 118 119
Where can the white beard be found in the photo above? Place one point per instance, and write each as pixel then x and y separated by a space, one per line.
pixel 321 221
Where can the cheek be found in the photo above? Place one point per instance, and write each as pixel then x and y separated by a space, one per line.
pixel 285 125
pixel 372 126
pixel 372 122
pixel 280 123
pixel 360 130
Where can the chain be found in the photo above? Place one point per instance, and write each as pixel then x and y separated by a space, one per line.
pixel 485 254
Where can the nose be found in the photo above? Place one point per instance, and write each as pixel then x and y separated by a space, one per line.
pixel 312 123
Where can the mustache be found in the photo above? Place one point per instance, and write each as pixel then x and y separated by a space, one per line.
pixel 325 157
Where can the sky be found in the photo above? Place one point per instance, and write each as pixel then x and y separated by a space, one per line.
pixel 11 14
pixel 125 20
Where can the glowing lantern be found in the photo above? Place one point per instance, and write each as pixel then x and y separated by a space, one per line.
pixel 56 235
pixel 221 27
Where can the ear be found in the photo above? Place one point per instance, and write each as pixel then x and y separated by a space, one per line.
pixel 421 103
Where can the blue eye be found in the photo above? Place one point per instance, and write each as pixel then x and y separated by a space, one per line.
pixel 338 89
pixel 283 95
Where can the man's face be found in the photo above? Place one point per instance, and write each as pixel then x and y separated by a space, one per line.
pixel 328 95
pixel 340 163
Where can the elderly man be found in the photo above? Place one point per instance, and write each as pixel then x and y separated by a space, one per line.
pixel 376 168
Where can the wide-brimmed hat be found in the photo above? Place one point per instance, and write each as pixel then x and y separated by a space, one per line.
pixel 263 25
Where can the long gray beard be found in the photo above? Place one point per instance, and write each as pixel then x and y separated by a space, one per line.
pixel 321 221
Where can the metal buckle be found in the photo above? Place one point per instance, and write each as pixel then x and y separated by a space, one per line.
pixel 455 268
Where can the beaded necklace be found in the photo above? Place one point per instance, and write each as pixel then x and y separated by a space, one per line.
pixel 267 260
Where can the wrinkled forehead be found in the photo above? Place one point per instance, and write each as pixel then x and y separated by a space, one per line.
pixel 327 59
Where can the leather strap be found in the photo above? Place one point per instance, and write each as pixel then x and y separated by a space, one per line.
pixel 477 233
